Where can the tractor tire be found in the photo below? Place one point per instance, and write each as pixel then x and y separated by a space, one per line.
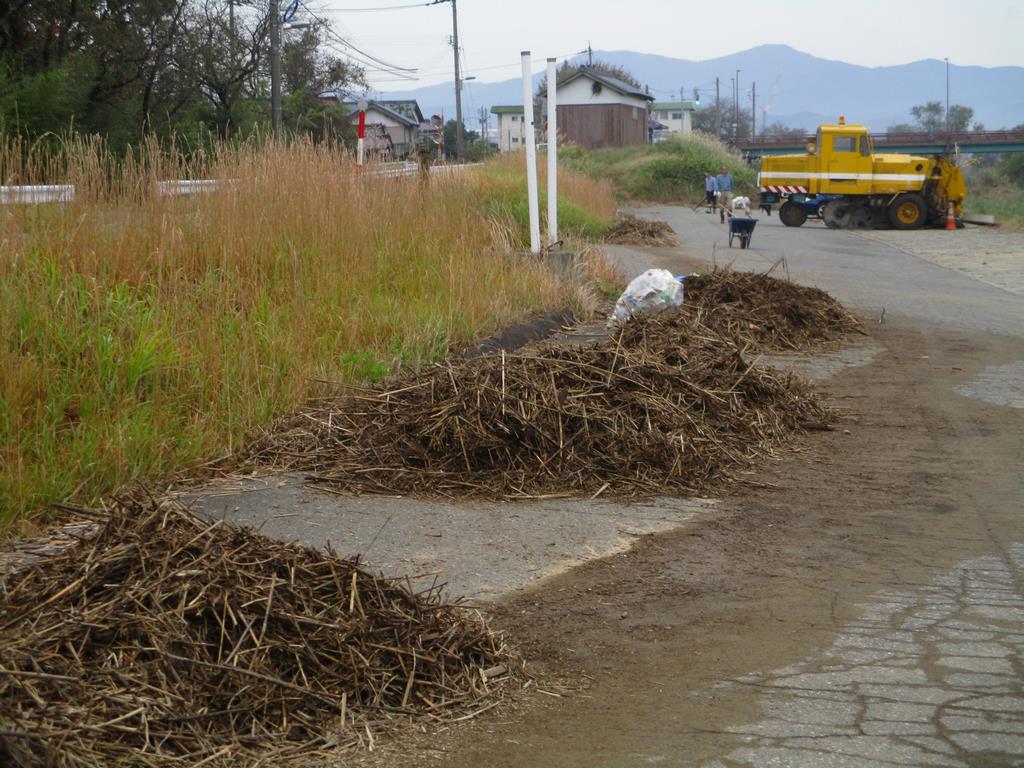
pixel 837 213
pixel 908 211
pixel 791 214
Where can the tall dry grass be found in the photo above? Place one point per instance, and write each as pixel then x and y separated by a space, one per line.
pixel 142 335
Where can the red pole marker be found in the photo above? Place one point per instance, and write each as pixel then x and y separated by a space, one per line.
pixel 360 144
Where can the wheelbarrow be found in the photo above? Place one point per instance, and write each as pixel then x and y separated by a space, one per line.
pixel 741 228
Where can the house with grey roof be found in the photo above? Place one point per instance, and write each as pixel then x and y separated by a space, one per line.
pixel 596 110
pixel 392 127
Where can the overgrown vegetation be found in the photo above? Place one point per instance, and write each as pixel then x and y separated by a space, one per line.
pixel 142 335
pixel 671 170
pixel 194 69
pixel 997 188
pixel 585 207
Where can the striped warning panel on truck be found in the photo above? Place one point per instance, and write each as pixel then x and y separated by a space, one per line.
pixel 784 188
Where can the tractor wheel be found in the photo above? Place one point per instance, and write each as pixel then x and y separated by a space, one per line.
pixel 908 211
pixel 791 214
pixel 837 213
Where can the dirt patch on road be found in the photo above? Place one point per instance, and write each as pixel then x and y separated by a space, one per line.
pixel 918 478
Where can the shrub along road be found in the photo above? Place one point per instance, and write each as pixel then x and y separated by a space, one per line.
pixel 861 604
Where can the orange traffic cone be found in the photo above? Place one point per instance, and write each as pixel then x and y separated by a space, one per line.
pixel 950 219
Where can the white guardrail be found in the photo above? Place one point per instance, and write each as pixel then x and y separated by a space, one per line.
pixel 65 193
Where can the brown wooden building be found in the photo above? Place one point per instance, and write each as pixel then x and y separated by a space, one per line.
pixel 595 111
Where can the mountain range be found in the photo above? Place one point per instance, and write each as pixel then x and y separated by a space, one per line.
pixel 797 89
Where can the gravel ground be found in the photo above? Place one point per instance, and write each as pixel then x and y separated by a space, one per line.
pixel 992 255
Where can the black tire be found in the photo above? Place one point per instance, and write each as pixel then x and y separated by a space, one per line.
pixel 791 214
pixel 908 211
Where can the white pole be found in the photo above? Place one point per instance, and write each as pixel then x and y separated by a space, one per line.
pixel 531 156
pixel 552 155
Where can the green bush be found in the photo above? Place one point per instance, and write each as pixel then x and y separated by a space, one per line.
pixel 670 171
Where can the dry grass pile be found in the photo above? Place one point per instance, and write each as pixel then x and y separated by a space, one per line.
pixel 164 639
pixel 630 230
pixel 767 312
pixel 667 405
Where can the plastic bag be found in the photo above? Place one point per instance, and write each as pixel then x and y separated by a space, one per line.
pixel 653 290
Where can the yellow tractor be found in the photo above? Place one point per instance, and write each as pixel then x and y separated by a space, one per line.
pixel 850 186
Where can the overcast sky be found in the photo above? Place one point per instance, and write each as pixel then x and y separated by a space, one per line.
pixel 986 33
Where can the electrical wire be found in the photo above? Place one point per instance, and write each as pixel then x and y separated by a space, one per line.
pixel 368 66
pixel 394 68
pixel 385 7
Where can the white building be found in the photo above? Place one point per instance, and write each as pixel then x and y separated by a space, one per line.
pixel 676 116
pixel 511 128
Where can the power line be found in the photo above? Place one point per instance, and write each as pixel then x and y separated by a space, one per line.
pixel 385 7
pixel 368 65
pixel 394 68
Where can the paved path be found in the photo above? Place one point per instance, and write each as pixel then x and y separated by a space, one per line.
pixel 883 625
pixel 991 255
pixel 925 676
pixel 928 676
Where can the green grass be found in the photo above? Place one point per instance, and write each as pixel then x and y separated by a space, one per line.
pixel 670 171
pixel 585 211
pixel 142 337
pixel 1005 203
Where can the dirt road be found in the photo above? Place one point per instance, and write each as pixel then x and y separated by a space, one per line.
pixel 860 603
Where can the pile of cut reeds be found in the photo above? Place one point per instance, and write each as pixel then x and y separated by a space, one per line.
pixel 164 639
pixel 631 230
pixel 766 312
pixel 667 405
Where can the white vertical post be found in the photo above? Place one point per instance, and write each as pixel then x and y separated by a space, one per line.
pixel 531 155
pixel 552 155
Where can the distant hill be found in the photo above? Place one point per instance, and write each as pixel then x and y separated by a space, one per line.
pixel 801 90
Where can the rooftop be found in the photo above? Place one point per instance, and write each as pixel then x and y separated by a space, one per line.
pixel 611 82
pixel 687 104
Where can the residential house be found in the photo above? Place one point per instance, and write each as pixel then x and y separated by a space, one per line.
pixel 596 110
pixel 674 117
pixel 511 128
pixel 394 124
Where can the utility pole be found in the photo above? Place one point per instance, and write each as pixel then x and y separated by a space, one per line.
pixel 590 55
pixel 947 94
pixel 736 111
pixel 484 117
pixel 459 143
pixel 718 112
pixel 753 110
pixel 732 95
pixel 275 67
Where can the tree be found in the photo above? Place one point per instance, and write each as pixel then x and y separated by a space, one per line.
pixel 931 118
pixel 707 120
pixel 125 68
pixel 779 130
pixel 448 135
pixel 307 72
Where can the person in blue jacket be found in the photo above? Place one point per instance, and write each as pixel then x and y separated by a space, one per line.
pixel 710 190
pixel 724 182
